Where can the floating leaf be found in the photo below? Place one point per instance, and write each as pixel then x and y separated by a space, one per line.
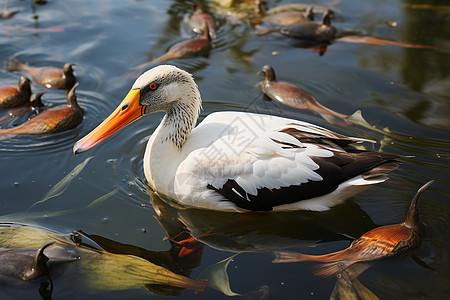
pixel 62 186
pixel 109 271
pixel 218 277
pixel 100 270
pixel 103 198
pixel 363 292
pixel 27 216
pixel 439 8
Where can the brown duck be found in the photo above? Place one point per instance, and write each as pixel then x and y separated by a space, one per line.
pixel 49 77
pixel 193 47
pixel 52 120
pixel 312 31
pixel 384 241
pixel 198 19
pixel 35 103
pixel 294 96
pixel 14 96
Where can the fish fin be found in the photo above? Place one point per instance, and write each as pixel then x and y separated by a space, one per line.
pixel 6 136
pixel 333 119
pixel 13 65
pixel 288 257
pixel 329 269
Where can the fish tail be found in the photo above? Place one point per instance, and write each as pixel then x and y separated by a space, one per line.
pixel 288 257
pixel 6 136
pixel 330 115
pixel 329 269
pixel 197 285
pixel 13 65
pixel 334 119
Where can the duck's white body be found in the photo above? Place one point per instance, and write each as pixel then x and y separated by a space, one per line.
pixel 244 147
pixel 234 161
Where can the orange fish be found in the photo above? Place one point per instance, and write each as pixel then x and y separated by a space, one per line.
pixel 197 20
pixel 49 77
pixel 14 96
pixel 193 47
pixel 381 242
pixel 52 120
pixel 294 96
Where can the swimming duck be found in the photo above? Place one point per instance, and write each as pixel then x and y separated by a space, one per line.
pixel 198 19
pixel 49 77
pixel 52 120
pixel 294 96
pixel 237 161
pixel 381 242
pixel 14 96
pixel 34 104
pixel 312 31
pixel 192 47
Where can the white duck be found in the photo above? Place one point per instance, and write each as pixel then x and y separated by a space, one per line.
pixel 237 161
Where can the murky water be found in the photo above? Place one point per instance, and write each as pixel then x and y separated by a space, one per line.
pixel 405 90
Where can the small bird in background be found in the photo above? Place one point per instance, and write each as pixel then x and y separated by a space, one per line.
pixel 49 77
pixel 381 242
pixel 34 104
pixel 294 96
pixel 193 47
pixel 14 96
pixel 52 120
pixel 197 20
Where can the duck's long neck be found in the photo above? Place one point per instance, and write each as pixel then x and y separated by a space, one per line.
pixel 181 117
pixel 164 149
pixel 178 123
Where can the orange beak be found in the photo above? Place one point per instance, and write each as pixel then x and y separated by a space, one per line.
pixel 126 113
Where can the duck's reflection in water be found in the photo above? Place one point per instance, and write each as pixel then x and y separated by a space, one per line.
pixel 264 232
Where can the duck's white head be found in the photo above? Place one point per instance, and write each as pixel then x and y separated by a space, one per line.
pixel 162 88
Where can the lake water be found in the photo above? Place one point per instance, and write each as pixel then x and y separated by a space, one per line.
pixel 403 89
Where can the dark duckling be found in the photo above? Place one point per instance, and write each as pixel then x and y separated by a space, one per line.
pixel 193 47
pixel 312 31
pixel 381 242
pixel 294 96
pixel 34 104
pixel 23 266
pixel 14 96
pixel 49 77
pixel 52 120
pixel 198 19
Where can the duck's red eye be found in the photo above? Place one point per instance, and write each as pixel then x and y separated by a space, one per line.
pixel 153 86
